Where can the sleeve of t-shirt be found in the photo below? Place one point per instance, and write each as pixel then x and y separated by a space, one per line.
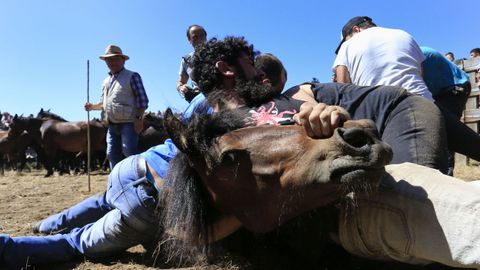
pixel 327 93
pixel 183 68
pixel 341 59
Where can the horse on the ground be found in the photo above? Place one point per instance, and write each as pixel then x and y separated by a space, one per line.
pixel 57 136
pixel 262 175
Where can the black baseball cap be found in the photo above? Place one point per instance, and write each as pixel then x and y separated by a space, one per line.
pixel 347 28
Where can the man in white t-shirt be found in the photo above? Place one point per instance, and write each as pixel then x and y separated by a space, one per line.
pixel 369 55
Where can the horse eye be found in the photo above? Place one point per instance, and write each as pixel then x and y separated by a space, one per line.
pixel 228 158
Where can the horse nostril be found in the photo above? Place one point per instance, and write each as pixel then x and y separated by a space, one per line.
pixel 356 137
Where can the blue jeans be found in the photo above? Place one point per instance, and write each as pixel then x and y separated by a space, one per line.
pixel 101 225
pixel 122 141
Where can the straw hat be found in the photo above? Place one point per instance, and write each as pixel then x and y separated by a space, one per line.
pixel 113 50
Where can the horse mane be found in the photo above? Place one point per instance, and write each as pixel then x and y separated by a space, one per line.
pixel 49 115
pixel 186 207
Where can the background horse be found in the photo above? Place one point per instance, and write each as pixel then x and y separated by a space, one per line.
pixel 12 149
pixel 153 133
pixel 71 160
pixel 262 175
pixel 5 149
pixel 56 136
pixel 49 115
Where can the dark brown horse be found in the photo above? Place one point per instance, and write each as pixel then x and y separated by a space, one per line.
pixel 6 147
pixel 55 136
pixel 263 175
pixel 72 160
pixel 13 149
pixel 154 132
pixel 49 115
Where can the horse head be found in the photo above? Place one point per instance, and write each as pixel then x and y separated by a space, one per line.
pixel 46 114
pixel 264 175
pixel 21 123
pixel 17 126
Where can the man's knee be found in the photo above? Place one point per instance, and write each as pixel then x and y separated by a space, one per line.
pixel 129 150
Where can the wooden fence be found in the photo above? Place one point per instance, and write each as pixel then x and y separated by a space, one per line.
pixel 471 114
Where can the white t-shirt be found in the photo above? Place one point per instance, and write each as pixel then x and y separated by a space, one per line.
pixel 383 56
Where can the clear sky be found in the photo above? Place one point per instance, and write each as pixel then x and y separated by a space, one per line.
pixel 45 44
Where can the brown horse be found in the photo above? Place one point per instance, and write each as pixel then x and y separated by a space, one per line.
pixel 49 115
pixel 71 159
pixel 56 136
pixel 263 175
pixel 6 148
pixel 153 132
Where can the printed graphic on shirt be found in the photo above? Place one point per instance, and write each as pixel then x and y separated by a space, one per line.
pixel 270 114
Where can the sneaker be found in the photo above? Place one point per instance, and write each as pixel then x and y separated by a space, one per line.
pixel 36 227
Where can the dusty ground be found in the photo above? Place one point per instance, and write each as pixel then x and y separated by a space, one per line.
pixel 28 198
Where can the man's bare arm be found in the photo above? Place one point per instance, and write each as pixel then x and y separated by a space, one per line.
pixel 93 106
pixel 342 74
pixel 301 92
pixel 182 86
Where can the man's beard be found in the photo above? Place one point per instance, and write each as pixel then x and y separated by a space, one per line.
pixel 253 91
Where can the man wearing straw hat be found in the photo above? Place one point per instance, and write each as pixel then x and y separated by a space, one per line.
pixel 123 103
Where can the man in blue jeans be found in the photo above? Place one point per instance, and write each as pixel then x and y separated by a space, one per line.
pixel 121 217
pixel 123 103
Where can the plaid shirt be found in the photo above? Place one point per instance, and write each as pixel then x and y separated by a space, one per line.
pixel 139 91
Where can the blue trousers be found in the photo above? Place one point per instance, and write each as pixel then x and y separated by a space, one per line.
pixel 122 217
pixel 122 141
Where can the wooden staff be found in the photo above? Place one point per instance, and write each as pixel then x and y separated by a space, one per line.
pixel 88 125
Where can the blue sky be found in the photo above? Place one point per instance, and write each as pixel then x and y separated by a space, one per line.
pixel 46 44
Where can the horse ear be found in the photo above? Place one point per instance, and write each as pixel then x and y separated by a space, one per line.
pixel 175 130
pixel 41 110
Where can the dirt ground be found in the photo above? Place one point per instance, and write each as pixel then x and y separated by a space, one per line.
pixel 29 197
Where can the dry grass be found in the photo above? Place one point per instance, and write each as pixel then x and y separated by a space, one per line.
pixel 28 198
pixel 467 172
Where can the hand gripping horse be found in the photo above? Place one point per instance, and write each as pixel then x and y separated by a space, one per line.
pixel 263 175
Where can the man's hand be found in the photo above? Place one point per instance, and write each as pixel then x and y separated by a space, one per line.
pixel 184 89
pixel 320 120
pixel 138 125
pixel 89 106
